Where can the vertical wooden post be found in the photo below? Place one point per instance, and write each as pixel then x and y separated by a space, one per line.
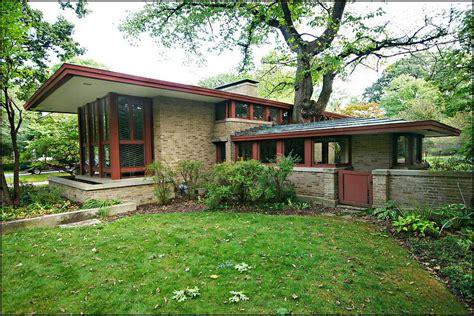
pixel 280 116
pixel 232 108
pixel 114 137
pixel 308 152
pixel 250 116
pixel 148 119
pixel 255 153
pixel 266 114
pixel 89 126
pixel 280 151
pixel 100 136
pixel 81 138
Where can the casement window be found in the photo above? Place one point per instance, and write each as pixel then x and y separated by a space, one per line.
pixel 116 136
pixel 244 151
pixel 331 150
pixel 220 152
pixel 407 149
pixel 294 147
pixel 273 114
pixel 221 110
pixel 242 110
pixel 258 112
pixel 267 150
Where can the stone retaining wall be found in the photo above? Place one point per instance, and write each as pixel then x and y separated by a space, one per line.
pixel 412 188
pixel 138 190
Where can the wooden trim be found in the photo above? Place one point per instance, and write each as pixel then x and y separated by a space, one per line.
pixel 80 125
pixel 280 148
pixel 232 109
pixel 148 130
pixel 131 169
pixel 375 129
pixel 114 137
pixel 66 71
pixel 90 137
pixel 280 116
pixel 250 112
pixel 99 136
pixel 308 152
pixel 255 151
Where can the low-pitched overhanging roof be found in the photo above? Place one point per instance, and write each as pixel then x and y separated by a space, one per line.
pixel 347 126
pixel 72 86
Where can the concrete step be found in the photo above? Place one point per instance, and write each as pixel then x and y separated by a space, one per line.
pixel 88 222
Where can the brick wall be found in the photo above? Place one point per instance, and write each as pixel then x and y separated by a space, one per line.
pixel 316 184
pixel 140 194
pixel 411 188
pixel 371 152
pixel 223 130
pixel 183 129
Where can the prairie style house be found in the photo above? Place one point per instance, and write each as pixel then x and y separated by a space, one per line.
pixel 126 122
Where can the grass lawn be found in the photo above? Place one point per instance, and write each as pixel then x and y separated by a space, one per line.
pixel 37 178
pixel 299 263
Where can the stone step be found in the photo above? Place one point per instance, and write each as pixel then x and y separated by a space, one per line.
pixel 88 222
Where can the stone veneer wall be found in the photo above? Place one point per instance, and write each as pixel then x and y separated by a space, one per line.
pixel 183 129
pixel 371 152
pixel 316 184
pixel 224 129
pixel 411 188
pixel 140 193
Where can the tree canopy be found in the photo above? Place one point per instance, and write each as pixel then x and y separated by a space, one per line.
pixel 322 39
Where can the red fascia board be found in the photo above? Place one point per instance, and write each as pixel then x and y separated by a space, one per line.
pixel 385 128
pixel 68 70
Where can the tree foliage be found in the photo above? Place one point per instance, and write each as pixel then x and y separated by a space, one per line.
pixel 28 41
pixel 322 39
pixel 371 110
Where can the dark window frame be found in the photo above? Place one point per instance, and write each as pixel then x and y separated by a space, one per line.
pixel 325 151
pixel 414 150
pixel 287 152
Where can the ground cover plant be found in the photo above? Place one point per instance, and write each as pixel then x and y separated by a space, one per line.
pixel 440 237
pixel 37 201
pixel 294 264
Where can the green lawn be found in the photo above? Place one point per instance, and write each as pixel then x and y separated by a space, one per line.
pixel 302 264
pixel 37 178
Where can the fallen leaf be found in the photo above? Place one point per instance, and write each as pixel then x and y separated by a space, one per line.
pixel 156 306
pixel 157 290
pixel 214 276
pixel 94 250
pixel 19 265
pixel 294 296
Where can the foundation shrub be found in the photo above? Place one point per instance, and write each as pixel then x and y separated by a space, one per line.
pixel 191 174
pixel 164 181
pixel 245 182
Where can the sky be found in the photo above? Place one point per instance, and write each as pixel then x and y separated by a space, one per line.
pixel 98 33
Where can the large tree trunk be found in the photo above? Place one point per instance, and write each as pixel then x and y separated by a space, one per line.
pixel 304 107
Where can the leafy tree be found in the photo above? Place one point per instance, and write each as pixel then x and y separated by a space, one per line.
pixel 55 136
pixel 411 96
pixel 334 38
pixel 370 110
pixel 27 43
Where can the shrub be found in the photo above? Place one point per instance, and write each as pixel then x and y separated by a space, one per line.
pixel 243 182
pixel 453 163
pixel 414 223
pixel 191 173
pixel 163 181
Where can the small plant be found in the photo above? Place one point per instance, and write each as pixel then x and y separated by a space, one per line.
pixel 242 267
pixel 191 174
pixel 389 212
pixel 183 295
pixel 164 180
pixel 237 297
pixel 414 223
pixel 104 212
pixel 453 217
pixel 93 203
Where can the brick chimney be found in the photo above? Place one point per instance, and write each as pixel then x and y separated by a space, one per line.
pixel 245 87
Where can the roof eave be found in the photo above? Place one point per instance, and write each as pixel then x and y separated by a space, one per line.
pixel 428 125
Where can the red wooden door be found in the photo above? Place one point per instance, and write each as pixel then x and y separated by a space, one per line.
pixel 355 188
